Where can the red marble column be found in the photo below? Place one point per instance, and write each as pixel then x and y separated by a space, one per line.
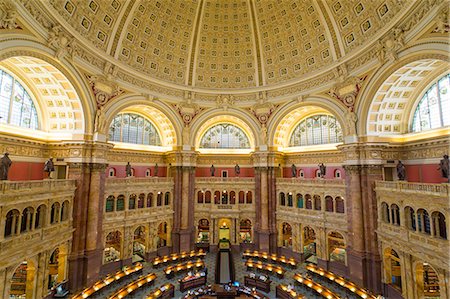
pixel 85 259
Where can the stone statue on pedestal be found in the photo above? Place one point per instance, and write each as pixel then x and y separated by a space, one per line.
pixel 212 169
pixel 5 164
pixel 156 169
pixel 323 170
pixel 237 170
pixel 128 171
pixel 401 171
pixel 49 167
pixel 294 170
pixel 444 167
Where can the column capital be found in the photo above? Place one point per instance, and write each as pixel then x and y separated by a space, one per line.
pixel 81 152
pixel 267 159
pixel 182 158
pixel 361 153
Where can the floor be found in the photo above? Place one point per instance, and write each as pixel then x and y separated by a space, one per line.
pixel 240 269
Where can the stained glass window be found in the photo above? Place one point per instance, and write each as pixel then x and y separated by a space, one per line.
pixel 133 128
pixel 225 136
pixel 317 129
pixel 433 109
pixel 16 106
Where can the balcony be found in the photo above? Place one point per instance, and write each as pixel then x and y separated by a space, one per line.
pixel 441 190
pixel 224 180
pixel 319 218
pixel 135 181
pixel 213 208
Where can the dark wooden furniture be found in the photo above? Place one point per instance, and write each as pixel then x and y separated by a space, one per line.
pixel 263 285
pixel 163 292
pixel 264 267
pixel 191 282
pixel 282 292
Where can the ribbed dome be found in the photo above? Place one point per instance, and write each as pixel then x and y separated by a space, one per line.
pixel 229 43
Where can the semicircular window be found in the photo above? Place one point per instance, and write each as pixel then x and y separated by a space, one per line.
pixel 133 128
pixel 317 129
pixel 225 136
pixel 433 109
pixel 16 106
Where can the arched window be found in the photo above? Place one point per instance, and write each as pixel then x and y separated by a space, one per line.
pixel 249 197
pixel 132 202
pixel 299 201
pixel 120 204
pixel 340 205
pixel 65 211
pixel 112 172
pixel 290 199
pixel 225 136
pixel 133 128
pixel 432 110
pixel 329 204
pixel 17 107
pixel 200 196
pixel 395 214
pixel 141 200
pixel 149 200
pixel 109 204
pixel 317 129
pixel 282 199
pixel 167 199
pixel 317 203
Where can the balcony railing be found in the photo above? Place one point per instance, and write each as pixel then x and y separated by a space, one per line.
pixel 136 180
pixel 314 182
pixel 401 186
pixel 41 185
pixel 222 179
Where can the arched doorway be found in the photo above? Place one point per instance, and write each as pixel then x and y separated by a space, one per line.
pixel 22 281
pixel 309 243
pixel 245 231
pixel 57 266
pixel 203 231
pixel 139 244
pixel 286 235
pixel 113 245
pixel 427 281
pixel 392 268
pixel 224 229
pixel 336 248
pixel 162 235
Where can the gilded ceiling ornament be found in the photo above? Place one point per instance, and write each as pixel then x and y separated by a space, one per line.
pixel 103 89
pixel 8 18
pixel 225 101
pixel 61 42
pixel 346 92
pixel 263 109
pixel 389 46
pixel 187 109
pixel 442 22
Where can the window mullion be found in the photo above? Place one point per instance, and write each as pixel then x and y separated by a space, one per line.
pixel 11 102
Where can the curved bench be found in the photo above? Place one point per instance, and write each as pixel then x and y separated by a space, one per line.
pixel 133 286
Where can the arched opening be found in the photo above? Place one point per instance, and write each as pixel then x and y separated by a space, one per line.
pixel 385 212
pixel 245 231
pixel 132 202
pixel 134 128
pixel 224 136
pixel 308 201
pixel 232 197
pixel 203 231
pixel 150 200
pixel 109 206
pixel 27 220
pixel 340 205
pixel 282 199
pixel 439 225
pixel 139 240
pixel 167 198
pixel 249 198
pixel 162 235
pixel 120 204
pixel 41 214
pixel 200 196
pixel 224 197
pixel 65 211
pixel 427 281
pixel 217 197
pixel 337 174
pixel 299 201
pixel 208 197
pixel 11 223
pixel 336 248
pixel 57 266
pixel 423 221
pixel 410 218
pixel 241 197
pixel 309 242
pixel 395 214
pixel 112 172
pixel 301 173
pixel 54 215
pixel 393 269
pixel 141 201
pixel 113 246
pixel 148 172
pixel 23 280
pixel 316 129
pixel 286 235
pixel 317 203
pixel 159 198
pixel 290 199
pixel 329 205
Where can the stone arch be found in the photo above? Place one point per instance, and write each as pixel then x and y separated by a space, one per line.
pixel 82 102
pixel 24 276
pixel 336 247
pixel 234 116
pixel 284 121
pixel 162 116
pixel 423 51
pixel 428 281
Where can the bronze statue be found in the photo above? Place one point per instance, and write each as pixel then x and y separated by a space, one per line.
pixel 128 170
pixel 49 167
pixel 294 170
pixel 237 170
pixel 322 170
pixel 444 167
pixel 4 166
pixel 212 169
pixel 156 169
pixel 401 171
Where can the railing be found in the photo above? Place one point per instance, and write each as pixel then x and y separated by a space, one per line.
pixel 44 185
pixel 315 182
pixel 401 186
pixel 222 179
pixel 136 180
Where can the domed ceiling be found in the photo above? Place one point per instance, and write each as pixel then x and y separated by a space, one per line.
pixel 229 44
